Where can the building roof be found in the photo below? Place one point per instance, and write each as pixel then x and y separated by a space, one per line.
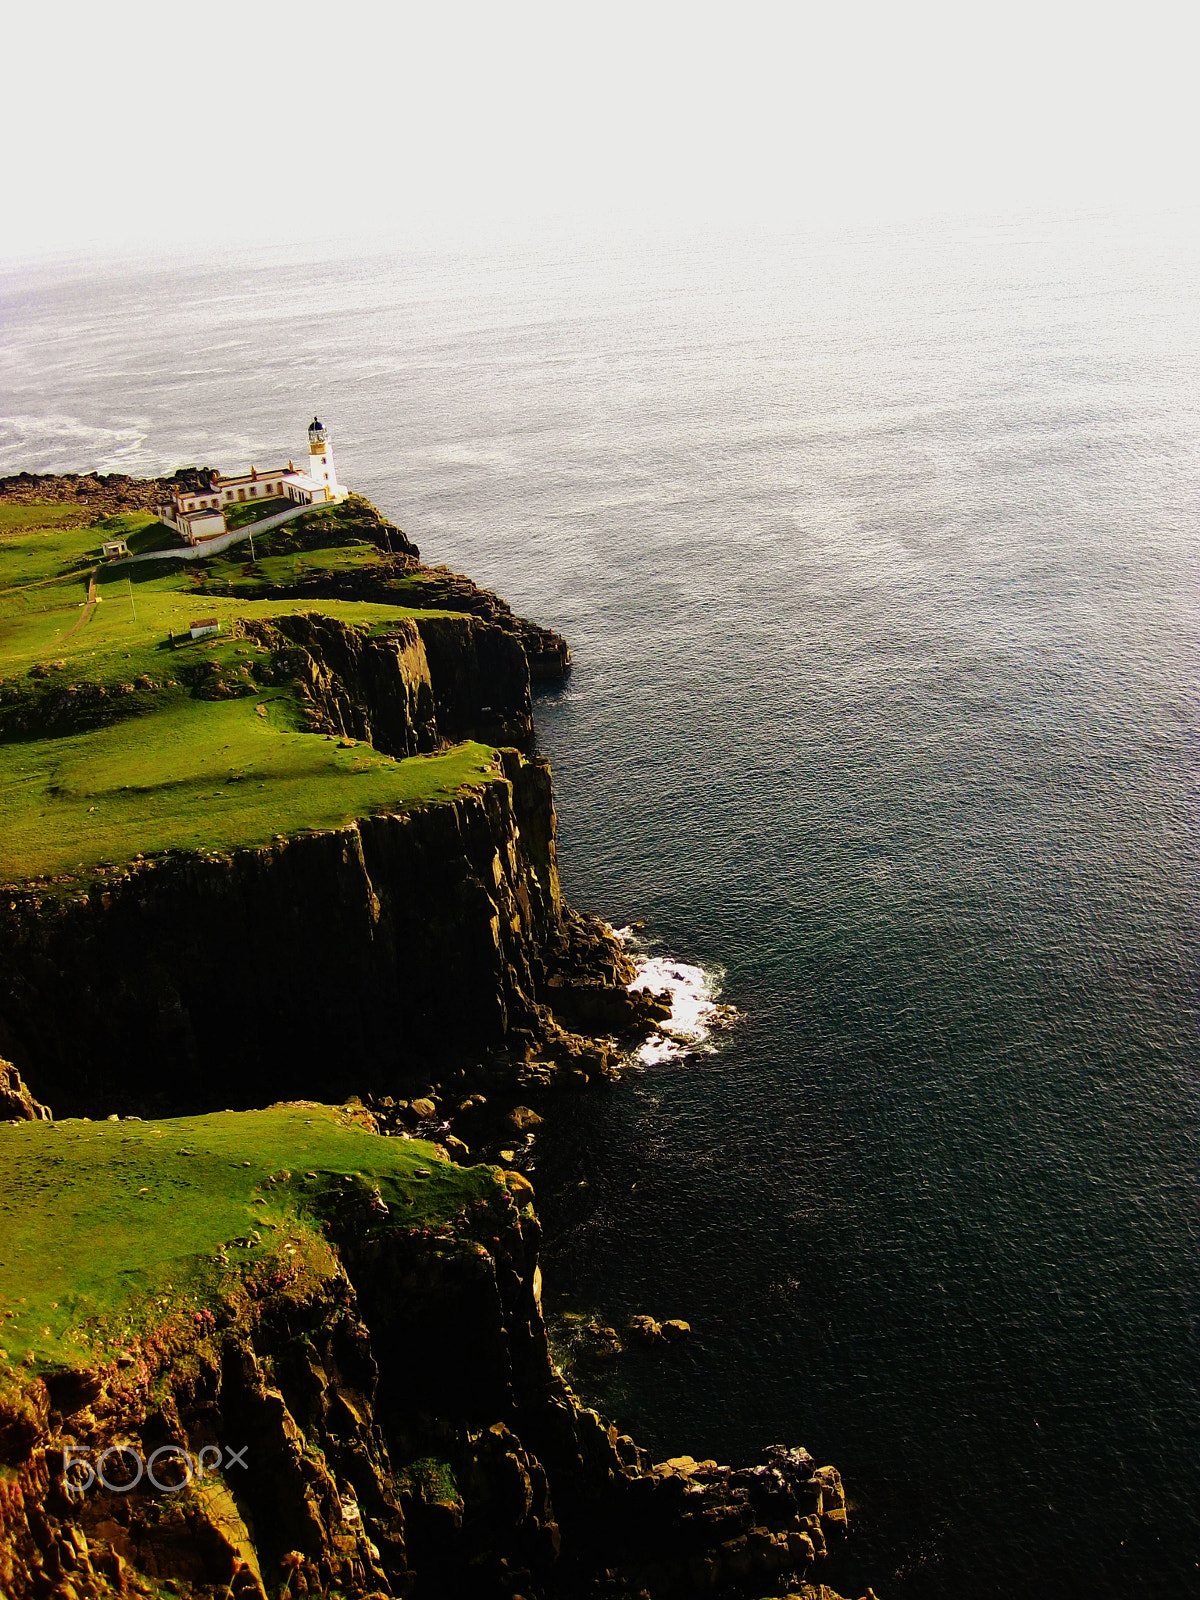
pixel 259 474
pixel 205 622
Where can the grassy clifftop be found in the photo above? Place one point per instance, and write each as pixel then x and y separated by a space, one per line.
pixel 121 735
pixel 201 776
pixel 111 1232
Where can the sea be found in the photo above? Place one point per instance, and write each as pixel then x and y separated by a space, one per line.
pixel 877 554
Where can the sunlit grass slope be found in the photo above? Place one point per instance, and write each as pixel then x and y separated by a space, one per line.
pixel 198 776
pixel 110 1228
pixel 136 619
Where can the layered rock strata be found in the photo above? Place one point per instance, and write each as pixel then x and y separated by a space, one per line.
pixel 424 681
pixel 546 652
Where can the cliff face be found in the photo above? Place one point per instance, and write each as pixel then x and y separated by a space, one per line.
pixel 421 682
pixel 315 966
pixel 401 1430
pixel 546 652
pixel 336 962
pixel 424 680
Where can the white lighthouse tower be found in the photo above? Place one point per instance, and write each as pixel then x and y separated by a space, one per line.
pixel 320 459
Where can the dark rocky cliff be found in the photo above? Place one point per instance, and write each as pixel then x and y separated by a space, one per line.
pixel 398 947
pixel 546 652
pixel 408 1433
pixel 425 680
pixel 405 1433
pixel 389 950
pixel 16 1102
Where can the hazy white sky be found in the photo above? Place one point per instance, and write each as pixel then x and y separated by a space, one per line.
pixel 131 124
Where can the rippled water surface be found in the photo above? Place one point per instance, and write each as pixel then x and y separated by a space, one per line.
pixel 878 559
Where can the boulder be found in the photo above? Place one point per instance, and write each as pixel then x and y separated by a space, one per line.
pixel 645 1331
pixel 521 1119
pixel 675 1329
pixel 801 1549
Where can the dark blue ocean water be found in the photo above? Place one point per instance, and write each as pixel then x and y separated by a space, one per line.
pixel 878 556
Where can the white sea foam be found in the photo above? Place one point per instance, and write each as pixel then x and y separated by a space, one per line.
pixel 62 443
pixel 695 1003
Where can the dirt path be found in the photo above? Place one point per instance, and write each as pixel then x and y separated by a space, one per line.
pixel 87 610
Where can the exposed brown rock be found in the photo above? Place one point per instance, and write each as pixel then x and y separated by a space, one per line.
pixel 16 1102
pixel 101 494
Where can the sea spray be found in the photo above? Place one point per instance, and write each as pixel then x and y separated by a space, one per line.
pixel 696 1008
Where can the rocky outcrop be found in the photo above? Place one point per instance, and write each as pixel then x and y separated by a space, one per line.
pixel 102 493
pixel 16 1102
pixel 401 580
pixel 406 687
pixel 546 651
pixel 388 1423
pixel 418 683
pixel 481 680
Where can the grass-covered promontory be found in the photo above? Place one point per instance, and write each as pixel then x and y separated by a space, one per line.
pixel 112 1231
pixel 198 776
pixel 107 751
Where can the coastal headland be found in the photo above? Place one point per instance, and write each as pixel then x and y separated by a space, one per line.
pixel 287 989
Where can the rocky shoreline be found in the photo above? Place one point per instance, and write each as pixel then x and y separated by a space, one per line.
pixel 411 1436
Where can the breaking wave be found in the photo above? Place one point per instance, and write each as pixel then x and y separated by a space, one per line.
pixel 696 1008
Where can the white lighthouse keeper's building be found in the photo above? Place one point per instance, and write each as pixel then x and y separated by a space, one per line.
pixel 199 515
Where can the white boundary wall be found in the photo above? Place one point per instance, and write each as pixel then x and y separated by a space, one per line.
pixel 213 547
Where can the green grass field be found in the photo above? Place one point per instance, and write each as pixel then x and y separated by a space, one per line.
pixel 175 772
pixel 16 518
pixel 108 1229
pixel 234 565
pixel 44 583
pixel 242 513
pixel 199 775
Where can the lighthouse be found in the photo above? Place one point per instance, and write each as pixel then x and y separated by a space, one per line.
pixel 199 515
pixel 320 458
